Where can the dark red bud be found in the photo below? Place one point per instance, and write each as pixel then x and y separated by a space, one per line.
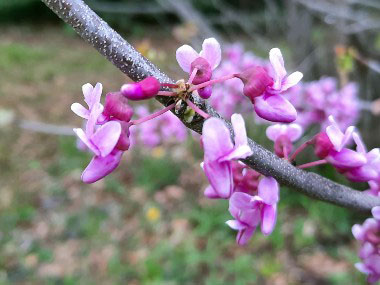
pixel 256 80
pixel 204 72
pixel 322 145
pixel 116 106
pixel 124 142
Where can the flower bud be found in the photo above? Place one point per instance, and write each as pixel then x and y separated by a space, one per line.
pixel 145 89
pixel 322 145
pixel 256 80
pixel 116 106
pixel 204 71
pixel 124 142
pixel 205 92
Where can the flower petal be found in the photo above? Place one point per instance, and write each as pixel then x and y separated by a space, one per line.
pixel 241 201
pixel 185 55
pixel 359 143
pixel 211 52
pixel 100 167
pixel 268 190
pixel 87 92
pixel 235 225
pixel 357 232
pixel 96 94
pixel 238 152
pixel 376 212
pixel 239 129
pixel 211 193
pixel 82 136
pixel 216 139
pixel 269 217
pixel 274 131
pixel 244 236
pixel 346 158
pixel 277 61
pixel 106 137
pixel 220 177
pixel 294 132
pixel 291 80
pixel 275 108
pixel 95 113
pixel 79 110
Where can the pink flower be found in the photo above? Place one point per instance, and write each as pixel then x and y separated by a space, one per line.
pixel 368 235
pixel 103 140
pixel 211 52
pixel 91 97
pixel 219 151
pixel 103 143
pixel 338 139
pixel 265 91
pixel 282 82
pixel 283 136
pixel 368 171
pixel 342 158
pixel 249 211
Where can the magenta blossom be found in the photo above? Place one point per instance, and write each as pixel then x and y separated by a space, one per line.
pixel 368 235
pixel 368 171
pixel 342 158
pixel 102 142
pixel 211 52
pixel 219 151
pixel 264 89
pixel 249 211
pixel 338 139
pixel 283 137
pixel 92 98
pixel 142 90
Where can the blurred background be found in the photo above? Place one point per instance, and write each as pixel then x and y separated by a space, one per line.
pixel 148 222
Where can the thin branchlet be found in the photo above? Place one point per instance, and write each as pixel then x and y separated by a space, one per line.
pixel 122 55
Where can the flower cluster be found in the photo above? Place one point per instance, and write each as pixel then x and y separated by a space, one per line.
pixel 357 165
pixel 252 200
pixel 106 132
pixel 368 235
pixel 109 131
pixel 317 100
pixel 314 101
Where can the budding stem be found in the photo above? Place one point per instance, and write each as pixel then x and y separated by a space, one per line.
pixel 196 109
pixel 311 164
pixel 300 148
pixel 153 115
pixel 211 82
pixel 192 75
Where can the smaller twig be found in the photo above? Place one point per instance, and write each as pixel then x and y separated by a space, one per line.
pixel 45 128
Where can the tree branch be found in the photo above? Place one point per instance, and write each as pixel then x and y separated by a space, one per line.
pixel 110 44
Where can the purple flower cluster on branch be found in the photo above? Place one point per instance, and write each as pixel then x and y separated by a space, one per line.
pixel 368 235
pixel 110 44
